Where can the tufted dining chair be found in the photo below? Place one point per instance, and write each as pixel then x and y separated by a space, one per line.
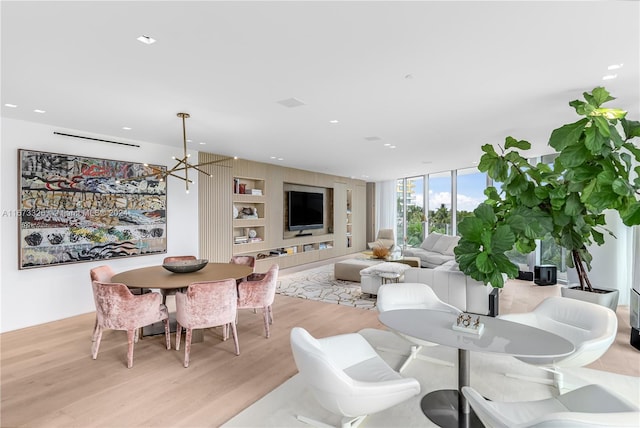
pixel 203 305
pixel 169 259
pixel 244 260
pixel 118 309
pixel 259 292
pixel 102 273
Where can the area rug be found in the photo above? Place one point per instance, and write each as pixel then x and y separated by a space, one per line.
pixel 280 407
pixel 320 284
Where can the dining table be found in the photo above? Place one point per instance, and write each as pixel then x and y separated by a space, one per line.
pixel 449 408
pixel 160 278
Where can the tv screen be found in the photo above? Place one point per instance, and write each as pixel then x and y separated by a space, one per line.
pixel 306 210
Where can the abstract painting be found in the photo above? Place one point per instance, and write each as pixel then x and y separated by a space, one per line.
pixel 80 209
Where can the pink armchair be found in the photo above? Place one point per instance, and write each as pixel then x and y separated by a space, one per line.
pixel 243 260
pixel 206 304
pixel 260 293
pixel 169 259
pixel 118 309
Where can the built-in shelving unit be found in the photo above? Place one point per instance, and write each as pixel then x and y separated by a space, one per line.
pixel 249 212
pixel 262 214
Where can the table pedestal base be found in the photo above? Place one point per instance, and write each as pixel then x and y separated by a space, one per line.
pixel 441 407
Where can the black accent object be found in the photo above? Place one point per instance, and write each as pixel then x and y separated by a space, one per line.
pixel 494 300
pixel 635 338
pixel 525 276
pixel 95 139
pixel 545 275
pixel 304 234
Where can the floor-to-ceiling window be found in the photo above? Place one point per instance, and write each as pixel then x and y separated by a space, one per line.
pixel 411 214
pixel 439 206
pixel 469 192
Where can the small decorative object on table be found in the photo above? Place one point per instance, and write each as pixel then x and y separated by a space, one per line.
pixel 185 266
pixel 465 322
pixel 380 252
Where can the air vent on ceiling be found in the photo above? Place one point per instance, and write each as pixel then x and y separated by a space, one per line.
pixel 291 102
pixel 373 138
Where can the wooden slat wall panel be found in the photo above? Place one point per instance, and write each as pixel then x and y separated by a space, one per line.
pixel 215 208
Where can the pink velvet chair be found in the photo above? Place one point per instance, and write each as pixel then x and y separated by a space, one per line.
pixel 206 304
pixel 170 259
pixel 118 309
pixel 244 260
pixel 102 273
pixel 259 292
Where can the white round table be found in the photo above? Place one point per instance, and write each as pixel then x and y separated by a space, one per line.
pixel 449 408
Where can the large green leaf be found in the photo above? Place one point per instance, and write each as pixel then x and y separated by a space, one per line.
pixel 602 125
pixel 484 263
pixel 502 239
pixel 621 187
pixel 598 96
pixel 573 205
pixel 520 144
pixel 471 228
pixel 574 155
pixel 631 128
pixel 631 215
pixel 567 135
pixel 485 213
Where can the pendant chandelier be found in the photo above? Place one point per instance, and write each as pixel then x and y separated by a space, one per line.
pixel 182 164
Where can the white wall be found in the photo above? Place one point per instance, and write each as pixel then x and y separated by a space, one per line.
pixel 40 295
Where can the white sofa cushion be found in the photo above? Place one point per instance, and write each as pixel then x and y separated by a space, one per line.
pixel 430 241
pixel 444 243
pixel 386 267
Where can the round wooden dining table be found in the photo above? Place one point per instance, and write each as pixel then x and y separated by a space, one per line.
pixel 159 277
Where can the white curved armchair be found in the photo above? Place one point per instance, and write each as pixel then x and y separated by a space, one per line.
pixel 347 377
pixel 408 295
pixel 589 406
pixel 589 327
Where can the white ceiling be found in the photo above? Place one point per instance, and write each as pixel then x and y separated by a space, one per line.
pixel 435 79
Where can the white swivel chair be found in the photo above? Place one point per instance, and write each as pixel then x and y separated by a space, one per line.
pixel 591 328
pixel 412 296
pixel 589 406
pixel 347 377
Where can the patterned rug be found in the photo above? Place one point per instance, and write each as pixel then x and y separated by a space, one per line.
pixel 320 284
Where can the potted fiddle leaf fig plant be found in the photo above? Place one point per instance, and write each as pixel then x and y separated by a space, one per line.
pixel 597 168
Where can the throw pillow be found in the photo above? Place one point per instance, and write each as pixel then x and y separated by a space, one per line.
pixel 443 244
pixel 430 241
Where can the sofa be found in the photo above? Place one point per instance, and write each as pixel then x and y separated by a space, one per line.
pixel 435 250
pixel 455 288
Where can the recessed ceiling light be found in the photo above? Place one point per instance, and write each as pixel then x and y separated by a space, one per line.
pixel 39 111
pixel 126 128
pixel 392 147
pixel 11 105
pixel 609 77
pixel 615 66
pixel 387 144
pixel 202 143
pixel 334 121
pixel 280 159
pixel 291 102
pixel 272 157
pixel 146 40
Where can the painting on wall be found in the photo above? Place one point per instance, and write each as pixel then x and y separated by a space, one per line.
pixel 80 209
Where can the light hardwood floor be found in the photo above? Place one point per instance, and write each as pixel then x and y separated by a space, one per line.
pixel 50 380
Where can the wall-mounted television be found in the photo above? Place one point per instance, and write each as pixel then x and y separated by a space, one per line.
pixel 306 210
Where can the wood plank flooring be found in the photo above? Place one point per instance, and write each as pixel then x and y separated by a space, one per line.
pixel 49 379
